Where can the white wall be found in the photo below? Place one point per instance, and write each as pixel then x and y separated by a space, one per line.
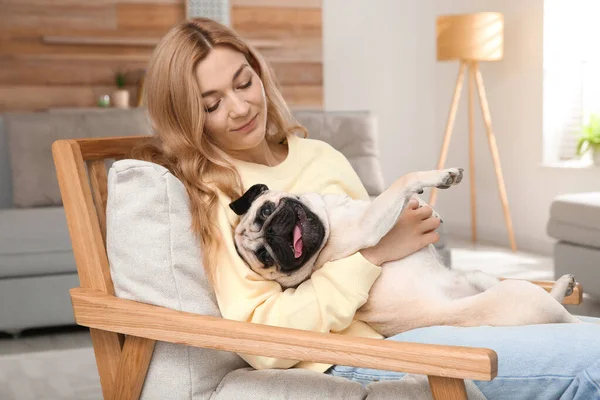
pixel 383 59
pixel 380 58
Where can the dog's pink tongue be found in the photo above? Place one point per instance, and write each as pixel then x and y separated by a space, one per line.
pixel 298 245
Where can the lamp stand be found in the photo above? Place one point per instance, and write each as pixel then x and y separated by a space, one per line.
pixel 475 79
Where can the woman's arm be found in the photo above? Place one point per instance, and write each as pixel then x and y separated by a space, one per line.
pixel 325 303
pixel 414 230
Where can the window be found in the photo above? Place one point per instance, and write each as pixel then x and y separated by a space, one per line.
pixel 571 73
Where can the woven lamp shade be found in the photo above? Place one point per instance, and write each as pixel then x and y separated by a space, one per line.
pixel 474 37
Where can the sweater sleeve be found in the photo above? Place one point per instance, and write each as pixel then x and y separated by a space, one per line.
pixel 325 303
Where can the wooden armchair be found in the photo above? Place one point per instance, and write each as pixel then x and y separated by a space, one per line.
pixel 124 332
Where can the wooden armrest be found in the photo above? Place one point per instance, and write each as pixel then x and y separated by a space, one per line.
pixel 102 311
pixel 575 298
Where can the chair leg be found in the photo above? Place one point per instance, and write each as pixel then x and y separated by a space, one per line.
pixel 449 125
pixel 471 74
pixel 107 350
pixel 487 119
pixel 133 366
pixel 447 388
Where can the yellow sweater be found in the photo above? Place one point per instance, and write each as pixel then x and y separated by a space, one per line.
pixel 326 302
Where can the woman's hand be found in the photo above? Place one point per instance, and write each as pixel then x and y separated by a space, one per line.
pixel 414 230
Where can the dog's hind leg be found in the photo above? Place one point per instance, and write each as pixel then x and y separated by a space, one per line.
pixel 510 303
pixel 563 287
pixel 480 280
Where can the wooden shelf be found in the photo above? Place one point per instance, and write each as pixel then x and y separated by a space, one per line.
pixel 84 57
pixel 100 41
pixel 137 41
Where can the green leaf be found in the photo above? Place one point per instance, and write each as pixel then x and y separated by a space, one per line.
pixel 120 80
pixel 580 149
pixel 595 125
pixel 591 130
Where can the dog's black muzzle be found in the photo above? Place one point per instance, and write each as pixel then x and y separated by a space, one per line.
pixel 279 234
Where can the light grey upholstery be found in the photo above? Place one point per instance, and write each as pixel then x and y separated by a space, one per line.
pixel 37 242
pixel 582 261
pixel 37 267
pixel 575 218
pixel 5 172
pixel 30 137
pixel 575 223
pixel 354 134
pixel 36 300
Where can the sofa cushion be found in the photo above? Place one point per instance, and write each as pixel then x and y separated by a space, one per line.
pixel 575 218
pixel 30 136
pixel 353 133
pixel 297 384
pixel 34 242
pixel 154 258
pixel 5 176
pixel 581 261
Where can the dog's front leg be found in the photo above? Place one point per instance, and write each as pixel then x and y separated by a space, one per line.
pixel 383 213
pixel 356 225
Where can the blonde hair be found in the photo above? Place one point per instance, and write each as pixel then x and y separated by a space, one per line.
pixel 172 97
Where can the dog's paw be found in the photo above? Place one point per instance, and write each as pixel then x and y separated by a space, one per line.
pixel 564 286
pixel 441 179
pixel 571 283
pixel 449 177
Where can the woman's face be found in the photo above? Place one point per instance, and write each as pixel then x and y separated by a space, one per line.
pixel 234 100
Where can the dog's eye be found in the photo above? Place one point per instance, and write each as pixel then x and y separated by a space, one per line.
pixel 264 257
pixel 267 209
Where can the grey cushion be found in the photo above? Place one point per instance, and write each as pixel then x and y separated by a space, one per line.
pixel 5 175
pixel 353 133
pixel 30 137
pixel 36 301
pixel 34 242
pixel 297 384
pixel 154 258
pixel 583 262
pixel 576 218
pixel 413 387
pixel 309 385
pixel 574 233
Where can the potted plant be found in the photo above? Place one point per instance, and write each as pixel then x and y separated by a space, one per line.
pixel 120 97
pixel 590 139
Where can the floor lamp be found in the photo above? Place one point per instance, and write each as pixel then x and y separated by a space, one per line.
pixel 471 38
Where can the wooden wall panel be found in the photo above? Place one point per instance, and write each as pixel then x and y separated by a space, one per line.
pixel 39 71
pixel 65 72
pixel 277 3
pixel 277 22
pixel 142 16
pixel 298 60
pixel 75 15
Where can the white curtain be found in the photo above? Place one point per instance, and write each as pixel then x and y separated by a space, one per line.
pixel 571 72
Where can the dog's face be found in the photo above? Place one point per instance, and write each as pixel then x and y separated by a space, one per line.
pixel 279 234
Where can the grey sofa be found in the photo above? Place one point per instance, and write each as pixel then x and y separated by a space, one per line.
pixel 36 262
pixel 575 223
pixel 37 267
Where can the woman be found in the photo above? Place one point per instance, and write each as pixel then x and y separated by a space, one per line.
pixel 221 126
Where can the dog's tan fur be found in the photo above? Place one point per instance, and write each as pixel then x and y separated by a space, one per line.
pixel 416 291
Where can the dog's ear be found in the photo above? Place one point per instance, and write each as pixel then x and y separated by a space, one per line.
pixel 242 205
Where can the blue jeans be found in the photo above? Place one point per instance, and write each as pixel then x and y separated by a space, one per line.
pixel 550 361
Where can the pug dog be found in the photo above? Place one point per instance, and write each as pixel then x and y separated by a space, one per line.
pixel 286 237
